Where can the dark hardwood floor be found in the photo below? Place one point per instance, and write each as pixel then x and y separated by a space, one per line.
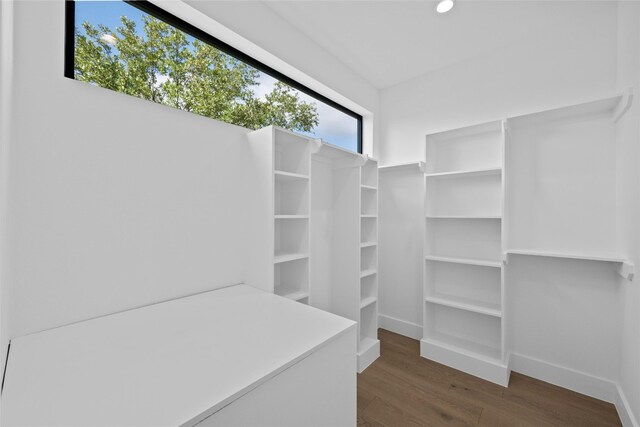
pixel 403 389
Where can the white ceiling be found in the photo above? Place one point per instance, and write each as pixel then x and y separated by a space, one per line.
pixel 387 42
pixel 391 41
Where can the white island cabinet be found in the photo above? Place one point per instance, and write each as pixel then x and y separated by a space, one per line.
pixel 230 357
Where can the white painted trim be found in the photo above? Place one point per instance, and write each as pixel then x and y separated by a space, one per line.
pixel 580 382
pixel 368 356
pixel 624 409
pixel 401 327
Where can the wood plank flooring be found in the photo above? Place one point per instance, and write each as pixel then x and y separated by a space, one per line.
pixel 403 389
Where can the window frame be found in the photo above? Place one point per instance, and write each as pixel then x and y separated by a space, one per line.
pixel 180 24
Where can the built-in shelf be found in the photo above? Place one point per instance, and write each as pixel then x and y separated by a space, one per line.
pixel 623 266
pixel 465 304
pixel 369 187
pixel 466 173
pixel 418 166
pixel 550 254
pixel 366 273
pixel 291 216
pixel 367 302
pixel 464 347
pixel 469 261
pixel 289 176
pixel 368 216
pixel 285 257
pixel 297 296
pixel 367 244
pixel 464 217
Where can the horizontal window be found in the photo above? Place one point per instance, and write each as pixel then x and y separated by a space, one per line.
pixel 141 50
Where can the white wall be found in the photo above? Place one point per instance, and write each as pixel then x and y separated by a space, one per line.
pixel 574 62
pixel 628 152
pixel 400 261
pixel 115 202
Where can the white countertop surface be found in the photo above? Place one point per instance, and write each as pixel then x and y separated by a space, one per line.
pixel 172 363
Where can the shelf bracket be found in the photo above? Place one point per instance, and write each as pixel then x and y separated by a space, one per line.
pixel 623 106
pixel 625 269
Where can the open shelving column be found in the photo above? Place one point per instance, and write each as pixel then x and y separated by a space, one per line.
pixel 369 345
pixel 292 163
pixel 280 213
pixel 464 322
pixel 344 241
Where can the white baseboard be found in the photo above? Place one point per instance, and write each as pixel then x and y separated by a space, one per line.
pixel 401 327
pixel 624 409
pixel 368 356
pixel 580 382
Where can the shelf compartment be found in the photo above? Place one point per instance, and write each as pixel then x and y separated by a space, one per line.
pixel 291 279
pixel 281 257
pixel 469 148
pixel 291 197
pixel 468 261
pixel 466 173
pixel 291 237
pixel 473 284
pixel 368 229
pixel 368 202
pixel 468 332
pixel 368 287
pixel 368 258
pixel 464 304
pixel 465 196
pixel 368 322
pixel 367 302
pixel 366 273
pixel 464 238
pixel 369 173
pixel 291 152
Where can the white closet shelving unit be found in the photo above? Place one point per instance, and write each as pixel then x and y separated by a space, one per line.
pixel 314 221
pixel 283 164
pixel 513 188
pixel 344 245
pixel 369 345
pixel 464 322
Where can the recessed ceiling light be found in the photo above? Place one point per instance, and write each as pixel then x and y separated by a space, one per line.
pixel 444 6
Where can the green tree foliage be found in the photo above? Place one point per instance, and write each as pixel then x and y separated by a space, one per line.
pixel 168 67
